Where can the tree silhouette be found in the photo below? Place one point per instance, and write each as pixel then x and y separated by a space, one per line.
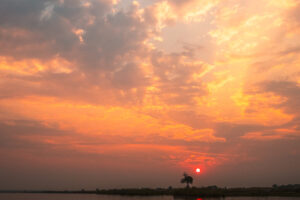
pixel 187 179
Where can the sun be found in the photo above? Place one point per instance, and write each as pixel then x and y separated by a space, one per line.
pixel 198 170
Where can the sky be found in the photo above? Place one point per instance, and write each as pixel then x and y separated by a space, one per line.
pixel 120 93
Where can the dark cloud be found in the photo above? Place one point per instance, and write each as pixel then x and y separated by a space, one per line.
pixel 291 91
pixel 287 89
pixel 105 60
pixel 32 37
pixel 15 134
pixel 106 35
pixel 54 35
pixel 233 131
pixel 111 43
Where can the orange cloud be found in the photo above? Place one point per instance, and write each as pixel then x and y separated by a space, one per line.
pixel 276 134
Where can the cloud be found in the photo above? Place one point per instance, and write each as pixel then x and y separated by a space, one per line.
pixel 176 82
pixel 289 92
pixel 91 82
pixel 47 12
pixel 47 146
pixel 288 89
pixel 190 10
pixel 271 135
pixel 103 47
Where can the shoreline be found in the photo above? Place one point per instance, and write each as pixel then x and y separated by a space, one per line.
pixel 210 191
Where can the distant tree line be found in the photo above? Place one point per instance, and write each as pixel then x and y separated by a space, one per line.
pixel 210 191
pixel 188 191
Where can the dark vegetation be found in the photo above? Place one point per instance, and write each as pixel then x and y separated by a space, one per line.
pixel 210 191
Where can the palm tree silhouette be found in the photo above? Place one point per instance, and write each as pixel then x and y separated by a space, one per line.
pixel 187 179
